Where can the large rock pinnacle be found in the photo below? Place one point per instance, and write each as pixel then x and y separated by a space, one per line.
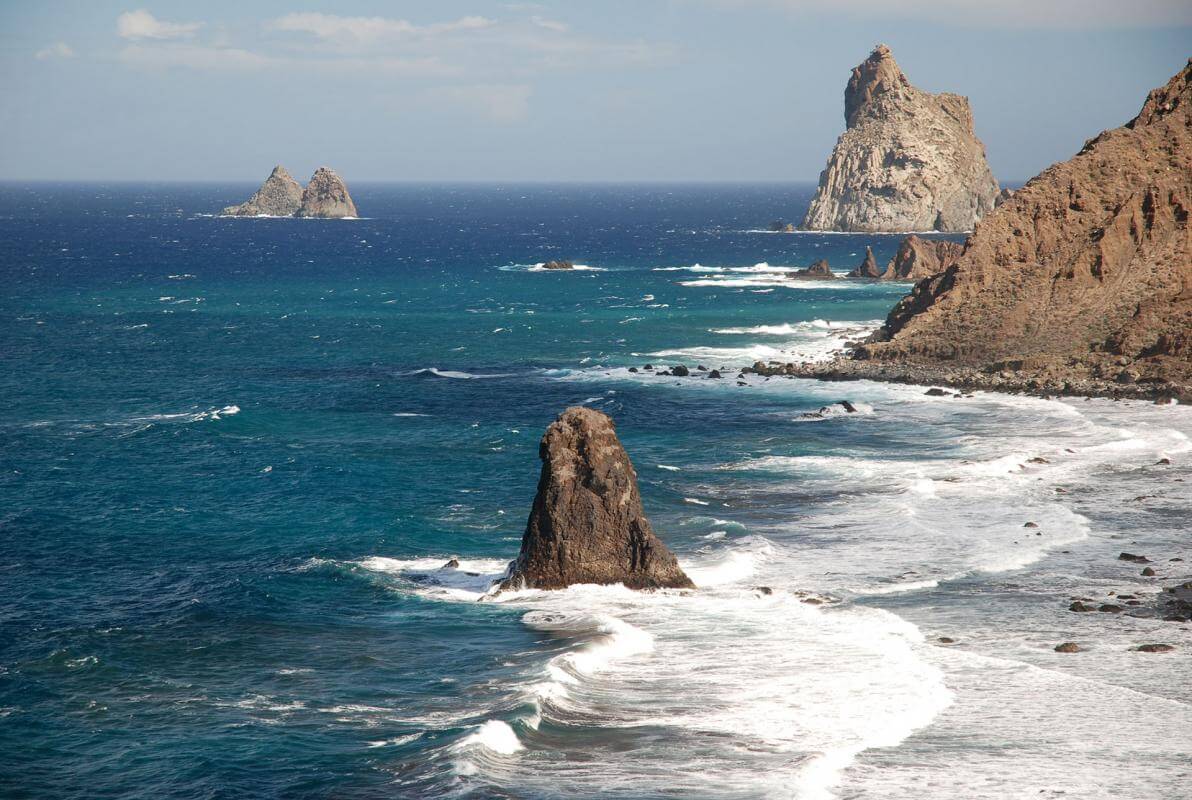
pixel 908 160
pixel 587 523
pixel 279 196
pixel 326 196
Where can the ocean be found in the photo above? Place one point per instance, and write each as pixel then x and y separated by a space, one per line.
pixel 236 453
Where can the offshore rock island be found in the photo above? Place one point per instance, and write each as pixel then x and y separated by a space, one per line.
pixel 587 524
pixel 1080 283
pixel 325 197
pixel 907 161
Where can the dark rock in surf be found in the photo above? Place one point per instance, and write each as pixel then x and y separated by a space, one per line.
pixel 1079 606
pixel 1148 572
pixel 587 524
pixel 819 271
pixel 1154 648
pixel 452 564
pixel 867 268
pixel 1134 558
pixel 558 265
pixel 1067 647
pixel 680 371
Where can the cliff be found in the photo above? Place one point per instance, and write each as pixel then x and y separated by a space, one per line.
pixel 587 524
pixel 1083 274
pixel 918 258
pixel 907 161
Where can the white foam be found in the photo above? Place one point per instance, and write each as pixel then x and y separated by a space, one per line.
pixel 496 736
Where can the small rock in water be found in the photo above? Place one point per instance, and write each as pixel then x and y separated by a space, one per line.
pixel 935 392
pixel 1154 648
pixel 560 264
pixel 764 589
pixel 1038 460
pixel 714 374
pixel 1067 647
pixel 1031 525
pixel 946 640
pixel 1162 462
pixel 1134 558
pixel 1148 572
pixel 1079 606
pixel 680 370
pixel 452 564
pixel 633 369
pixel 1109 608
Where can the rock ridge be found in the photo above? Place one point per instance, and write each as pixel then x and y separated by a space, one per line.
pixel 325 196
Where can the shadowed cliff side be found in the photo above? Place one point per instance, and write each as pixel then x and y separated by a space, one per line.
pixel 587 524
pixel 1084 273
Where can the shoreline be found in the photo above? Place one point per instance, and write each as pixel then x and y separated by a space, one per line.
pixel 841 368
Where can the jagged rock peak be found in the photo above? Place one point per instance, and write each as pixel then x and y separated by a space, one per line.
pixel 908 160
pixel 279 196
pixel 326 196
pixel 877 75
pixel 587 524
pixel 868 267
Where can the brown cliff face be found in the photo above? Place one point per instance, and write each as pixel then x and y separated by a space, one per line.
pixel 918 258
pixel 326 196
pixel 587 524
pixel 908 160
pixel 1085 270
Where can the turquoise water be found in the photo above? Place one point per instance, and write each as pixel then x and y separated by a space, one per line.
pixel 236 453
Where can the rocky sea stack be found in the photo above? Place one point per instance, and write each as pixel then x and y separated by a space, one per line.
pixel 867 268
pixel 326 196
pixel 1084 273
pixel 907 161
pixel 587 523
pixel 279 196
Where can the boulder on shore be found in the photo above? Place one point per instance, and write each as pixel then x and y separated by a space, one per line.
pixel 587 524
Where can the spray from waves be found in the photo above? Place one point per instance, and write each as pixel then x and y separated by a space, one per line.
pixel 189 416
pixel 541 267
pixel 723 670
pixel 457 374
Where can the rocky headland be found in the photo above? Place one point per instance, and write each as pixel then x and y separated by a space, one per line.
pixel 587 524
pixel 326 197
pixel 1082 278
pixel 907 161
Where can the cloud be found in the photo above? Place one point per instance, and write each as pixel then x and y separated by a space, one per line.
pixel 498 102
pixel 195 57
pixel 141 24
pixel 1000 13
pixel 55 50
pixel 550 24
pixel 370 30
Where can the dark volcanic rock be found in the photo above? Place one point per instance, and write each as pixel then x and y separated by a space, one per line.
pixel 819 269
pixel 1154 648
pixel 1134 558
pixel 587 523
pixel 1079 606
pixel 867 268
pixel 680 370
pixel 1148 572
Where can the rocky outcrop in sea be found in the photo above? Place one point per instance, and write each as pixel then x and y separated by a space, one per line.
pixel 587 524
pixel 819 270
pixel 918 258
pixel 1084 274
pixel 279 196
pixel 867 268
pixel 326 196
pixel 907 161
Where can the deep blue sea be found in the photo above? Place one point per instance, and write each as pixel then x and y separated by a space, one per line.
pixel 235 454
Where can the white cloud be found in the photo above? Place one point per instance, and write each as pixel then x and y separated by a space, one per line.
pixel 498 102
pixel 141 24
pixel 55 50
pixel 370 30
pixel 550 24
pixel 1001 13
pixel 194 57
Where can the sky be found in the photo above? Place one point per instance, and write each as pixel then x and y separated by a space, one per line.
pixel 602 90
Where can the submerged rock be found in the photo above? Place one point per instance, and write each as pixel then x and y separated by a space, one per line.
pixel 907 161
pixel 279 196
pixel 587 524
pixel 326 197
